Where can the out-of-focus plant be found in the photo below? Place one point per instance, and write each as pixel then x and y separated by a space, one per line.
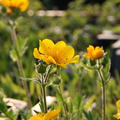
pixel 101 63
pixel 11 12
pixel 6 112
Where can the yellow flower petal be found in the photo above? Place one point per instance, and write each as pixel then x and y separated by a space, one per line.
pixel 4 2
pixel 21 4
pixel 46 47
pixel 98 52
pixel 46 116
pixel 118 106
pixel 90 49
pixel 74 59
pixel 94 53
pixel 63 65
pixel 65 54
pixel 36 54
pixel 117 116
pixel 60 45
pixel 48 59
pixel 51 114
pixel 37 117
pixel 87 55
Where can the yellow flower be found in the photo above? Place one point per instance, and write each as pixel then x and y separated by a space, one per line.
pixel 59 54
pixel 117 116
pixel 94 52
pixel 47 116
pixel 21 4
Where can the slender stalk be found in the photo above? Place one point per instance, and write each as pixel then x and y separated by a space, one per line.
pixel 44 98
pixel 103 103
pixel 44 93
pixel 60 91
pixel 63 102
pixel 103 95
pixel 24 84
pixel 19 64
pixel 13 35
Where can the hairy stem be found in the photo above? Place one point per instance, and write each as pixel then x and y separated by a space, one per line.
pixel 19 64
pixel 44 93
pixel 44 98
pixel 103 95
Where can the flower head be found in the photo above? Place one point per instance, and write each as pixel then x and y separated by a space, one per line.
pixel 94 52
pixel 117 116
pixel 48 116
pixel 59 54
pixel 20 4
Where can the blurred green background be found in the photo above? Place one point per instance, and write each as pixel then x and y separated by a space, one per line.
pixel 82 22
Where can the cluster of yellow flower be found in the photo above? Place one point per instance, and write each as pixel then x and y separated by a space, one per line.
pixel 62 54
pixel 22 5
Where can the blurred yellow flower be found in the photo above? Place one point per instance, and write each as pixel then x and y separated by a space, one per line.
pixel 94 52
pixel 21 4
pixel 47 116
pixel 117 116
pixel 59 54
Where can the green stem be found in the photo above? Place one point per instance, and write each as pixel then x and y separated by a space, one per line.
pixel 19 64
pixel 63 102
pixel 13 35
pixel 44 98
pixel 103 95
pixel 44 93
pixel 60 92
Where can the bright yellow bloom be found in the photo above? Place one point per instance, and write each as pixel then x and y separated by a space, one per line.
pixel 21 4
pixel 117 116
pixel 94 52
pixel 48 116
pixel 59 54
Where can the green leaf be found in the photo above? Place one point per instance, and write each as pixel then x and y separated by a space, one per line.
pixel 38 89
pixel 7 112
pixel 106 67
pixel 13 55
pixel 89 103
pixel 32 88
pixel 8 85
pixel 21 45
pixel 90 116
